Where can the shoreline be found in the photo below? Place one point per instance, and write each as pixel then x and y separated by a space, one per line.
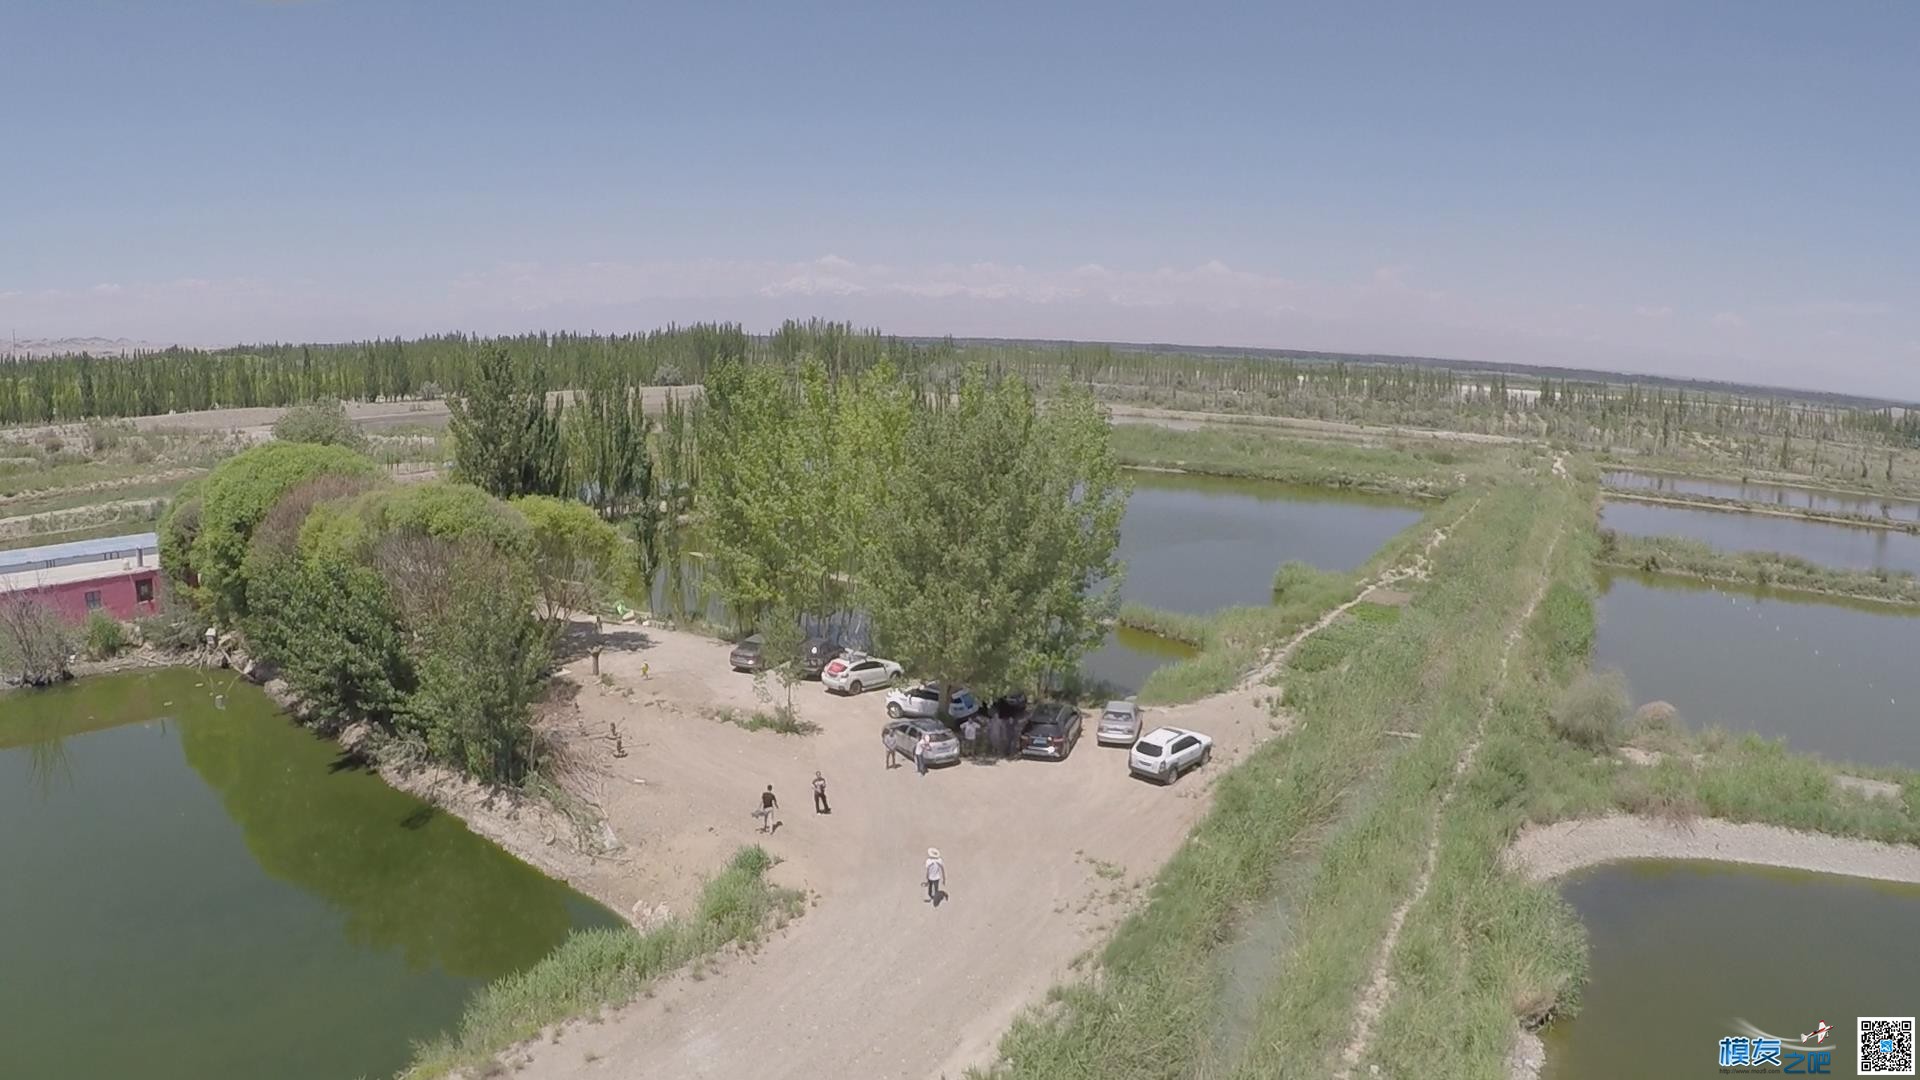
pixel 1544 853
pixel 1763 511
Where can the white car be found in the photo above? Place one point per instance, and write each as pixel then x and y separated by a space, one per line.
pixel 923 701
pixel 854 673
pixel 1119 724
pixel 1164 753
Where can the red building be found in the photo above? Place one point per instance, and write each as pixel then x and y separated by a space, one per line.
pixel 119 575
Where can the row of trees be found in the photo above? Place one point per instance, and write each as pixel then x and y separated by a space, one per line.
pixel 972 533
pixel 427 609
pixel 1382 391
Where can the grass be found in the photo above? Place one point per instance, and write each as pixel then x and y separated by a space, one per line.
pixel 1683 557
pixel 780 718
pixel 1225 451
pixel 602 968
pixel 1146 1008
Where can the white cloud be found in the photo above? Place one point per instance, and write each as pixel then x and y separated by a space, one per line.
pixel 1728 319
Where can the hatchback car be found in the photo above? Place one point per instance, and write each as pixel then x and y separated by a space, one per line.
pixel 1164 753
pixel 749 655
pixel 853 673
pixel 1119 724
pixel 924 701
pixel 1051 731
pixel 816 653
pixel 943 747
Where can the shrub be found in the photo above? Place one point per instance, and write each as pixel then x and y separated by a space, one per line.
pixel 172 627
pixel 781 718
pixel 324 423
pixel 106 637
pixel 1590 711
pixel 207 544
pixel 574 553
pixel 33 640
pixel 1294 577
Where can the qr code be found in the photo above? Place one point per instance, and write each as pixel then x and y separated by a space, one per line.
pixel 1886 1046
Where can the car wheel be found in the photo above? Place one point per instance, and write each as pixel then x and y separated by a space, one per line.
pixel 855 688
pixel 1206 755
pixel 893 710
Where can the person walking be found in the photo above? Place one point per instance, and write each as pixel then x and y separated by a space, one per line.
pixel 936 876
pixel 820 794
pixel 920 753
pixel 769 810
pixel 893 752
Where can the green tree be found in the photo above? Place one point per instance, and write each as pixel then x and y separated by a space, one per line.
pixel 506 440
pixel 996 564
pixel 480 664
pixel 609 428
pixel 575 555
pixel 324 422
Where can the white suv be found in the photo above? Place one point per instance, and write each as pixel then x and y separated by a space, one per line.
pixel 852 673
pixel 923 701
pixel 1164 753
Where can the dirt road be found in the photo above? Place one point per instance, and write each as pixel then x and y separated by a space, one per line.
pixel 873 982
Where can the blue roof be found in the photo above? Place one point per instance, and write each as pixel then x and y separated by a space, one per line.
pixel 105 547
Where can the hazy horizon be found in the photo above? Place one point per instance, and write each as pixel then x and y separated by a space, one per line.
pixel 1721 192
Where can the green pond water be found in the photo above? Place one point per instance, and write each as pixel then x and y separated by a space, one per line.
pixel 1856 547
pixel 1683 952
pixel 1781 495
pixel 199 892
pixel 1833 677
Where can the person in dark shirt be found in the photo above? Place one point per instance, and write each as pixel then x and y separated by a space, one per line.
pixel 820 795
pixel 769 811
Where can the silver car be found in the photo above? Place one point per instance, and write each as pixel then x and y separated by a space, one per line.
pixel 904 735
pixel 1119 724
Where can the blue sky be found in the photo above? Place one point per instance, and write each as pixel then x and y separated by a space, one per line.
pixel 1722 190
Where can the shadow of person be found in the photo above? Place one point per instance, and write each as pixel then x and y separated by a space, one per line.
pixel 939 895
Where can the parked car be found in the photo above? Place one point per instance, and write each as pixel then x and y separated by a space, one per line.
pixel 924 701
pixel 853 673
pixel 1164 753
pixel 749 655
pixel 1119 724
pixel 816 653
pixel 904 735
pixel 1052 731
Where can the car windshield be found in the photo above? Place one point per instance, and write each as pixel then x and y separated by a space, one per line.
pixel 1147 749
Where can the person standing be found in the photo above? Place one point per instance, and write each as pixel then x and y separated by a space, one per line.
pixel 970 732
pixel 893 752
pixel 920 748
pixel 769 810
pixel 936 876
pixel 820 794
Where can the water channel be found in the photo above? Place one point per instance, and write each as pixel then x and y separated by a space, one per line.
pixel 1835 677
pixel 1785 496
pixel 198 890
pixel 1683 952
pixel 1856 547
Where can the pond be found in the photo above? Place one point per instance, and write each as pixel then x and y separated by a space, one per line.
pixel 1835 677
pixel 1856 547
pixel 1197 544
pixel 195 891
pixel 1781 495
pixel 1683 954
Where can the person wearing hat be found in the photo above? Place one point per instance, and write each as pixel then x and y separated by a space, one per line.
pixel 936 875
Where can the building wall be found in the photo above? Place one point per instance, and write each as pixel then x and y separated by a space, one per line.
pixel 119 595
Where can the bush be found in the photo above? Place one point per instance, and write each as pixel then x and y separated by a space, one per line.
pixel 172 627
pixel 1590 711
pixel 33 641
pixel 1295 577
pixel 324 423
pixel 106 638
pixel 781 718
pixel 205 533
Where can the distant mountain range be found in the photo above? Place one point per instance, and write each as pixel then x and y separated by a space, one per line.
pixel 31 348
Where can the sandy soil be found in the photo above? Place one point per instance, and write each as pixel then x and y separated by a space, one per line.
pixel 1546 852
pixel 1043 858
